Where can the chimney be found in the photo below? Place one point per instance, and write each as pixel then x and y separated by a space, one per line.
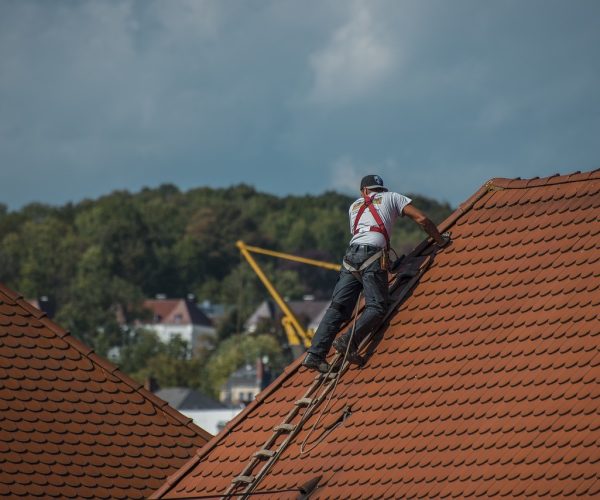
pixel 263 372
pixel 260 372
pixel 150 384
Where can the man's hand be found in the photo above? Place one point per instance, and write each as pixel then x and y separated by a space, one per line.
pixel 446 239
pixel 428 226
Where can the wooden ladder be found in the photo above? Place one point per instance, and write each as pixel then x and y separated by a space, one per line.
pixel 270 452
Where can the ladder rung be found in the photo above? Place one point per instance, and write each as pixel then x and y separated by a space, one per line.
pixel 284 428
pixel 329 376
pixel 264 453
pixel 243 479
pixel 304 402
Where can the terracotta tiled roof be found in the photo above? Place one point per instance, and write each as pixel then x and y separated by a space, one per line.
pixel 485 382
pixel 71 424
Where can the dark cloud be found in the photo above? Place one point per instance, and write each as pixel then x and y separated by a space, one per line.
pixel 293 96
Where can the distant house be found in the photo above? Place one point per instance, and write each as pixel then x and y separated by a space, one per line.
pixel 309 312
pixel 244 384
pixel 203 410
pixel 185 398
pixel 179 317
pixel 215 312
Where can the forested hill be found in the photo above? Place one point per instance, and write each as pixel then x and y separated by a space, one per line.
pixel 95 255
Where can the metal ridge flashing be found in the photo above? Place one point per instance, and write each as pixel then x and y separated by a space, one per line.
pixel 518 183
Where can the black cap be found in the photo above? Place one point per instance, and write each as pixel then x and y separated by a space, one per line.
pixel 372 182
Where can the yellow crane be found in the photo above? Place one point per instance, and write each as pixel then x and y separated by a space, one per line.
pixel 297 336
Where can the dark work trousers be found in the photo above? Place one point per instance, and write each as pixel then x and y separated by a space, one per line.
pixel 345 295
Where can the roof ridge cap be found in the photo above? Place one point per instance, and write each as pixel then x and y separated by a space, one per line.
pixel 518 183
pixel 104 364
pixel 500 183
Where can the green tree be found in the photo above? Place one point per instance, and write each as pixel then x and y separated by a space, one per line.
pixel 48 258
pixel 116 227
pixel 96 300
pixel 168 363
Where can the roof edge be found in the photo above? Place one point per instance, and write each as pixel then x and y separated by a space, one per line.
pixel 103 363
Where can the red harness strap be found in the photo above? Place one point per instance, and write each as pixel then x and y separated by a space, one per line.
pixel 380 227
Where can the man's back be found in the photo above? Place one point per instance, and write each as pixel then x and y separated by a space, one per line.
pixel 388 204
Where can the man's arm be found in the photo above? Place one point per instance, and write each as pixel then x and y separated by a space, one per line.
pixel 428 226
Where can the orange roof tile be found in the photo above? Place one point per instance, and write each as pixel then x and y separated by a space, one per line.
pixel 486 380
pixel 71 424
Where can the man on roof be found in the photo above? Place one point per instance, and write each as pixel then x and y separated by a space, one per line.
pixel 372 217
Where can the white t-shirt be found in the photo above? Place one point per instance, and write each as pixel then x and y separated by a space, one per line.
pixel 389 206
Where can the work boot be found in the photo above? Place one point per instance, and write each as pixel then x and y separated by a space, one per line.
pixel 314 362
pixel 341 345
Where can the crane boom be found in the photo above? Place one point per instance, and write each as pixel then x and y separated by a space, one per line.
pixel 296 334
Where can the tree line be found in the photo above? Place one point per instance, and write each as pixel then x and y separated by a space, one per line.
pixel 98 257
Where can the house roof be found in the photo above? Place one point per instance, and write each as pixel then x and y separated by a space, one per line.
pixel 73 425
pixel 307 311
pixel 244 376
pixel 185 398
pixel 485 382
pixel 176 311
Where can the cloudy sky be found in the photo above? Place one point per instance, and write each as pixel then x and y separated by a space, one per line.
pixel 293 96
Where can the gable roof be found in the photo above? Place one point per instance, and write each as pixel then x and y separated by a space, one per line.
pixel 485 380
pixel 307 312
pixel 185 398
pixel 73 425
pixel 176 311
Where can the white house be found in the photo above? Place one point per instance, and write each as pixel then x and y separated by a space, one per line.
pixel 179 317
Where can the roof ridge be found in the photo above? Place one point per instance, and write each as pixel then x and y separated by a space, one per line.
pixel 103 363
pixel 518 183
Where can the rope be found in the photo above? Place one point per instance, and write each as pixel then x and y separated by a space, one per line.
pixel 308 412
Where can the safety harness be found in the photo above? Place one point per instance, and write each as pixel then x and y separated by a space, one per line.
pixel 379 228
